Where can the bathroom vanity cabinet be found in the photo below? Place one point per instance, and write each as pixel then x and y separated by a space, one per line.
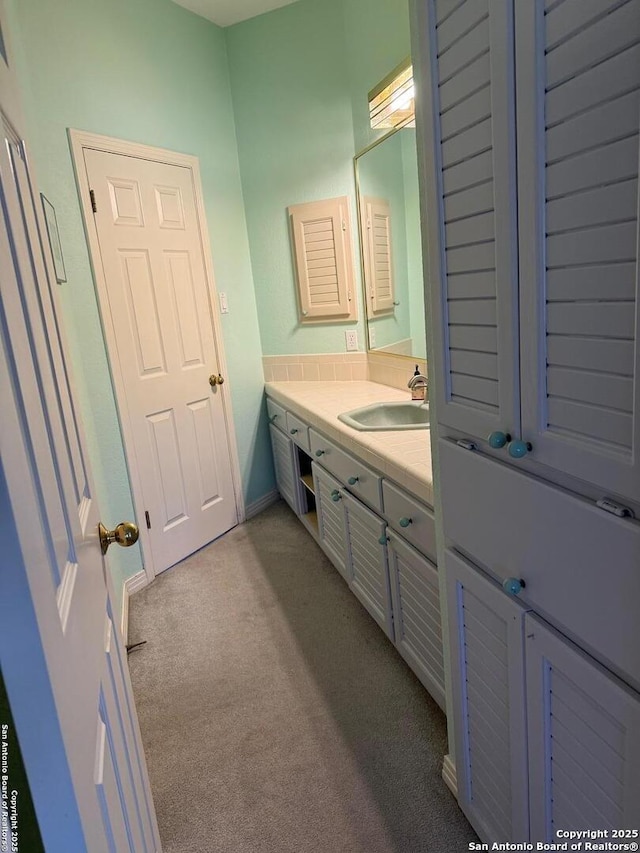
pixel 379 537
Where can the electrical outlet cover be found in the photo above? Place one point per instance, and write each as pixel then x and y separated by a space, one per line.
pixel 351 338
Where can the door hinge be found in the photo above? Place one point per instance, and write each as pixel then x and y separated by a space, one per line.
pixel 467 445
pixel 147 519
pixel 615 508
pixel 92 196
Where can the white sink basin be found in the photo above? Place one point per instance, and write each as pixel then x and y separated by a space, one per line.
pixel 388 416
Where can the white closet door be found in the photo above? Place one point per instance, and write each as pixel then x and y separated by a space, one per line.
pixel 578 121
pixel 584 740
pixel 469 141
pixel 487 659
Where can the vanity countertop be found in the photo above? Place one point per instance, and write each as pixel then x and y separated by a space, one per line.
pixel 402 455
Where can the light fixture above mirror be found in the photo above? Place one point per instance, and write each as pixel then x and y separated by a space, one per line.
pixel 392 101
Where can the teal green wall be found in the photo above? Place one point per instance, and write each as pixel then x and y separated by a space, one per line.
pixel 295 142
pixel 378 39
pixel 300 78
pixel 151 72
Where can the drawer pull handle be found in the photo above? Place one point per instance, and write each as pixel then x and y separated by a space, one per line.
pixel 383 539
pixel 319 452
pixel 405 522
pixel 513 586
pixel 499 439
pixel 518 449
pixel 352 481
pixel 293 431
pixel 335 495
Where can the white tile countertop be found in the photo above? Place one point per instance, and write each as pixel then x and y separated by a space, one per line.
pixel 402 455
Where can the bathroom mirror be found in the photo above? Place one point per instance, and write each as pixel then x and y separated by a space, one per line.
pixel 390 244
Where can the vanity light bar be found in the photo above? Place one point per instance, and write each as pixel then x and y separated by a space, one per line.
pixel 392 101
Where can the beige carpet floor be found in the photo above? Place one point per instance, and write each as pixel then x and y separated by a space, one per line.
pixel 276 716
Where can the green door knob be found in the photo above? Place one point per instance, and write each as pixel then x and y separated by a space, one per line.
pixel 293 431
pixel 405 522
pixel 335 495
pixel 319 452
pixel 383 539
pixel 352 481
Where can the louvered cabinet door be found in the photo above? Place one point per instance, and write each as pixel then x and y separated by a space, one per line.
pixel 378 255
pixel 331 518
pixel 367 562
pixel 468 133
pixel 486 628
pixel 323 255
pixel 584 740
pixel 578 120
pixel 416 614
pixel 286 468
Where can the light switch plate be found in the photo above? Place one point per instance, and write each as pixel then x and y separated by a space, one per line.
pixel 351 338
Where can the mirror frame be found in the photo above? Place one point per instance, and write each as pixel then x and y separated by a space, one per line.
pixel 361 246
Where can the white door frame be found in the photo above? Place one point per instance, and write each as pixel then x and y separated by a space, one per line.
pixel 79 141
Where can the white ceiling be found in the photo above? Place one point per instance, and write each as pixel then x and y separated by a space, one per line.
pixel 227 12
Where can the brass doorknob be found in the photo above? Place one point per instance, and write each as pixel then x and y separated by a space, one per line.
pixel 125 534
pixel 215 380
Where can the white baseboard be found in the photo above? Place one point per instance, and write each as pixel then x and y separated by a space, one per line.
pixel 131 585
pixel 261 504
pixel 449 775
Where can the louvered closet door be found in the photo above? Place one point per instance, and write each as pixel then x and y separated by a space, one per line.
pixel 470 182
pixel 489 703
pixel 584 740
pixel 578 102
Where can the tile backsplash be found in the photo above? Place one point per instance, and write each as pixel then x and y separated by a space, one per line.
pixel 334 366
pixel 385 369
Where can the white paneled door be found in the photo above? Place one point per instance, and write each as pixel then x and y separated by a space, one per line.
pixel 61 652
pixel 165 349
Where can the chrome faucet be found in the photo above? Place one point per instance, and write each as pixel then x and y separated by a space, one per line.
pixel 418 384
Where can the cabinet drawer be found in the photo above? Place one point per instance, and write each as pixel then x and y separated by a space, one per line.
pixel 298 431
pixel 277 415
pixel 421 529
pixel 581 565
pixel 352 473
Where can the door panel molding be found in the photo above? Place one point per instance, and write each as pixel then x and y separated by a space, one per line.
pixel 80 141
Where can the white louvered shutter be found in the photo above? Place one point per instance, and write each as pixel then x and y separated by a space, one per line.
pixel 584 740
pixel 322 248
pixel 378 258
pixel 578 119
pixel 489 703
pixel 470 184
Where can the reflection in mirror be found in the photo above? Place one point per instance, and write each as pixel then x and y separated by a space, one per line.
pixel 389 221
